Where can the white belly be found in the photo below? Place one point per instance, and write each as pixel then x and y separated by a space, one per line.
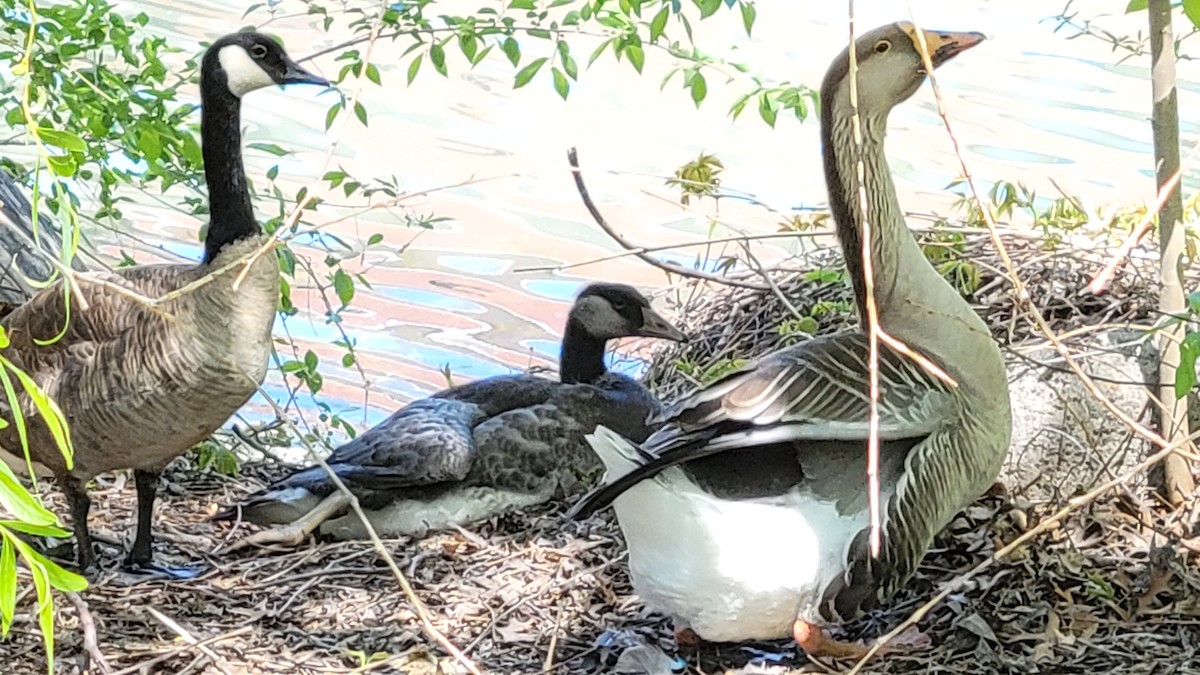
pixel 731 570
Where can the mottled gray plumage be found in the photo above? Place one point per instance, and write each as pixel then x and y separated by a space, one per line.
pixel 790 431
pixel 510 434
pixel 140 384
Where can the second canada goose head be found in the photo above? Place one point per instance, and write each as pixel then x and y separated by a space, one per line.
pixel 249 61
pixel 610 311
pixel 234 66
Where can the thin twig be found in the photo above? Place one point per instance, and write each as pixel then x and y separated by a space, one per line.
pixel 218 662
pixel 573 158
pixel 91 648
pixel 146 665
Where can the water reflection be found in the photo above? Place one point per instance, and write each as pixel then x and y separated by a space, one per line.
pixel 1028 105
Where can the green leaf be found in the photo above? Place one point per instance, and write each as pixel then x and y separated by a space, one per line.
pixel 1185 374
pixel 332 114
pixel 344 286
pixel 512 49
pixel 1194 302
pixel 699 89
pixel 637 57
pixel 150 143
pixel 8 584
pixel 468 44
pixel 708 7
pixel 1191 9
pixel 413 68
pixel 16 500
pixel 526 74
pixel 374 239
pixel 373 73
pixel 659 23
pixel 437 56
pixel 1136 6
pixel 62 165
pixel 766 109
pixel 62 139
pixel 360 111
pixel 749 14
pixel 36 530
pixel 269 148
pixel 560 83
pixel 599 50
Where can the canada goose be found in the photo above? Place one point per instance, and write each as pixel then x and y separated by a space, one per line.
pixel 477 449
pixel 746 513
pixel 140 385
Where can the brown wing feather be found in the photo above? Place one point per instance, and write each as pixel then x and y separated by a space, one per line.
pixel 139 386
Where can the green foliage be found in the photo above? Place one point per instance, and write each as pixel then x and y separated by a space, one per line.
pixel 1189 349
pixel 1191 9
pixel 703 374
pixel 27 514
pixel 700 177
pixel 797 330
pixel 216 456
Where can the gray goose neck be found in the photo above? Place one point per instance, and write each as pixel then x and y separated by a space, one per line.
pixel 231 215
pixel 889 252
pixel 916 305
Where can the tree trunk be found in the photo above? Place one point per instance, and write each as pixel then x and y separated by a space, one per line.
pixel 1177 471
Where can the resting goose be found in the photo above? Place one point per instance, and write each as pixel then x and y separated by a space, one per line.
pixel 478 449
pixel 140 386
pixel 746 513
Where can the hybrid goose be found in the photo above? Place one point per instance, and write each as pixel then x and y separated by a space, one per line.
pixel 478 449
pixel 140 386
pixel 746 513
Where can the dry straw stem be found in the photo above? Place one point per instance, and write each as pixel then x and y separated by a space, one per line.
pixel 1101 280
pixel 875 332
pixel 1035 315
pixel 186 635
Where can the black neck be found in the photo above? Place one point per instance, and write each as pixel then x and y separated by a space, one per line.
pixel 582 357
pixel 231 216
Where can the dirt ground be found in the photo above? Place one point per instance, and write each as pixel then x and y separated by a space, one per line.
pixel 525 594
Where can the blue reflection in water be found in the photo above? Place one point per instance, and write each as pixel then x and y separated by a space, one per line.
pixel 427 298
pixel 555 289
pixel 472 264
pixel 464 363
pixel 1017 155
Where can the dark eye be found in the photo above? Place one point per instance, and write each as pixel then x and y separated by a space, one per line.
pixel 882 46
pixel 258 51
pixel 618 305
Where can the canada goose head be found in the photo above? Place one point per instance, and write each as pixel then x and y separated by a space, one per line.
pixel 890 67
pixel 609 311
pixel 249 61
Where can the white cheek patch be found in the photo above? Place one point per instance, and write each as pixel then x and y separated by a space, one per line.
pixel 244 75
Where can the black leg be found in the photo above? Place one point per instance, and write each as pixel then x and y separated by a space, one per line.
pixel 80 505
pixel 147 485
